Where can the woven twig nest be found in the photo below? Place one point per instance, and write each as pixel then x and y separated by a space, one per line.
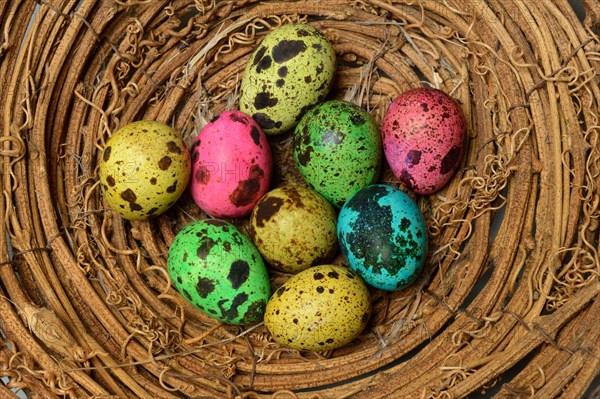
pixel 508 302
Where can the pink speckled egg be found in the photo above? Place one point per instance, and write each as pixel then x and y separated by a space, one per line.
pixel 423 138
pixel 231 167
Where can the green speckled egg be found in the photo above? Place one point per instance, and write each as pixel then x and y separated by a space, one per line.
pixel 219 270
pixel 294 228
pixel 318 309
pixel 144 168
pixel 337 147
pixel 291 70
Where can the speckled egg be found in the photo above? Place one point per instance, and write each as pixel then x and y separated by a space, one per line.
pixel 294 228
pixel 144 168
pixel 219 270
pixel 337 148
pixel 318 309
pixel 231 166
pixel 423 138
pixel 383 236
pixel 291 69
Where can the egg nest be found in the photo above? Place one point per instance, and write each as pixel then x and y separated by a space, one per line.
pixel 506 299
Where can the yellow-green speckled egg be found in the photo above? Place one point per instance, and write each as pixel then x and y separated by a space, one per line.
pixel 290 71
pixel 294 228
pixel 320 308
pixel 144 169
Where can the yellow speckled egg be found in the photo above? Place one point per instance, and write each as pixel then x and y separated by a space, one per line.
pixel 144 169
pixel 290 70
pixel 294 228
pixel 320 308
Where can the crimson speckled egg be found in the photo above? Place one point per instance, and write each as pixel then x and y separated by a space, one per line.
pixel 321 308
pixel 383 236
pixel 423 138
pixel 219 270
pixel 232 166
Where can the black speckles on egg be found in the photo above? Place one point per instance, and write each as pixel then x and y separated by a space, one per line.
pixel 165 162
pixel 129 196
pixel 282 71
pixel 450 160
pixel 172 188
pixel 239 117
pixel 174 148
pixel 260 52
pixel 186 294
pixel 407 179
pixel 285 50
pixel 413 157
pixel 255 312
pixel 379 225
pixel 135 207
pixel 357 119
pixel 106 154
pixel 205 247
pixel 110 181
pixel 238 273
pixel 230 311
pixel 264 64
pixel 247 190
pixel 202 174
pixel 331 137
pixel 204 287
pixel 217 223
pixel 266 209
pixel 265 121
pixel 318 276
pixel 305 156
pixel 405 224
pixel 264 100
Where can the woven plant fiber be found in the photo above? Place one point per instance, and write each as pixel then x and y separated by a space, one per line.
pixel 508 304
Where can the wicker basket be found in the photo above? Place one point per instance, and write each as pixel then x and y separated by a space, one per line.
pixel 509 301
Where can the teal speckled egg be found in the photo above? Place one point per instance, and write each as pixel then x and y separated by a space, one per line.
pixel 383 236
pixel 337 147
pixel 219 270
pixel 291 70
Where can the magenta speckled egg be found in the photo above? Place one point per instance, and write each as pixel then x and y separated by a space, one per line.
pixel 231 167
pixel 423 138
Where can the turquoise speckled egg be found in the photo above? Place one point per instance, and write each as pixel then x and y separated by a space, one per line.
pixel 337 148
pixel 291 70
pixel 219 270
pixel 383 236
